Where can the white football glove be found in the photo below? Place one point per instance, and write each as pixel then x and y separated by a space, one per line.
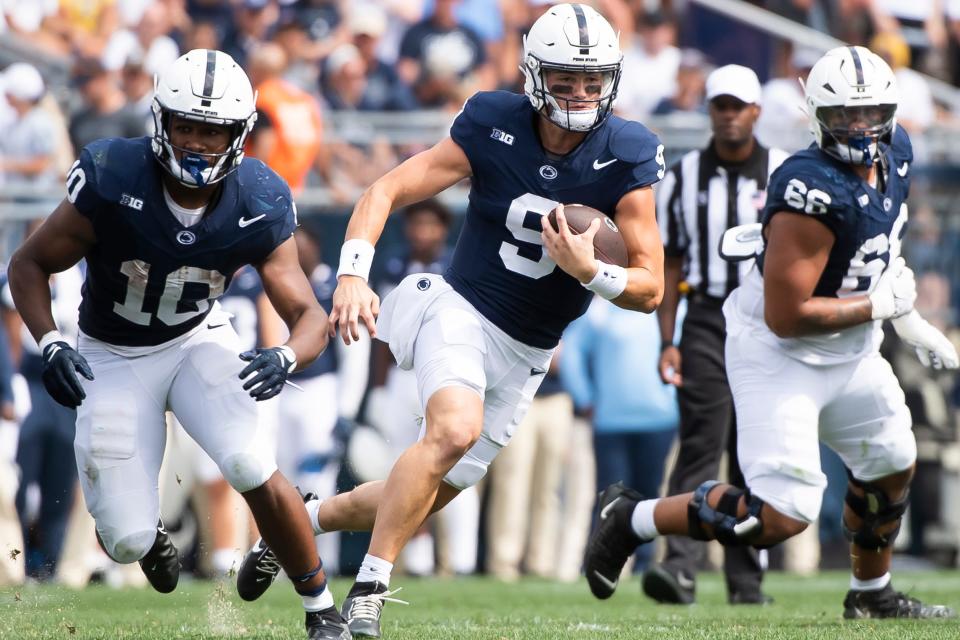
pixel 895 292
pixel 933 348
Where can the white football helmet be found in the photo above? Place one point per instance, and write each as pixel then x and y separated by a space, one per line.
pixel 206 86
pixel 571 37
pixel 851 97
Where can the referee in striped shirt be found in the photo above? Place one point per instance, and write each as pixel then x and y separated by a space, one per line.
pixel 705 193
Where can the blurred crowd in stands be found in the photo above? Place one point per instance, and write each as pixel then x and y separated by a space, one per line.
pixel 312 58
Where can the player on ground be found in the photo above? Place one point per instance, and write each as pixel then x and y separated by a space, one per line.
pixel 164 223
pixel 803 333
pixel 480 337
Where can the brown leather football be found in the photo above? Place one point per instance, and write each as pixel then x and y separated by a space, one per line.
pixel 608 244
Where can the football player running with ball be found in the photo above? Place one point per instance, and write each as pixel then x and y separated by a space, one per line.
pixel 481 336
pixel 164 223
pixel 803 333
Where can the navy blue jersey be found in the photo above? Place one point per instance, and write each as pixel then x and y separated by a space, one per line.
pixel 868 223
pixel 149 278
pixel 499 264
pixel 324 281
pixel 398 266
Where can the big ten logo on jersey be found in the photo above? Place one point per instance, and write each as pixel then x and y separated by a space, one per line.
pixel 502 136
pixel 128 200
pixel 872 257
pixel 512 254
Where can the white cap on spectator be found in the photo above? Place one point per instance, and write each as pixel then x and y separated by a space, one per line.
pixel 22 81
pixel 734 80
pixel 342 55
pixel 367 19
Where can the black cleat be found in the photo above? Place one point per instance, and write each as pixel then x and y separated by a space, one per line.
pixel 260 567
pixel 327 625
pixel 887 603
pixel 257 571
pixel 666 587
pixel 363 606
pixel 161 565
pixel 613 541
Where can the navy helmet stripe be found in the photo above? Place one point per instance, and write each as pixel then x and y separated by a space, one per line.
pixel 857 65
pixel 211 68
pixel 582 24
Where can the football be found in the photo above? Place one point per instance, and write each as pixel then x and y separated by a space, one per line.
pixel 608 244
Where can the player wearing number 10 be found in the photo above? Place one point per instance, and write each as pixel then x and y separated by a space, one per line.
pixel 480 338
pixel 802 353
pixel 164 223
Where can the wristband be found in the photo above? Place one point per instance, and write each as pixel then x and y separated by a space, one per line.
pixel 609 282
pixel 49 338
pixel 290 357
pixel 356 257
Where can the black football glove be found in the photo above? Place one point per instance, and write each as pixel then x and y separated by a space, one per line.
pixel 272 366
pixel 61 363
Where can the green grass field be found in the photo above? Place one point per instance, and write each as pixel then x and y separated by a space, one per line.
pixel 473 609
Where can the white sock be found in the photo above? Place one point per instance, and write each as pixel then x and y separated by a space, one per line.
pixel 873 584
pixel 223 560
pixel 319 602
pixel 313 510
pixel 642 520
pixel 375 569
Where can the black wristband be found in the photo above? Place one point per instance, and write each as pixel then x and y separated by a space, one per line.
pixel 666 344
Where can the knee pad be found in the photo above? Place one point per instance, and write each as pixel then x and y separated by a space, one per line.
pixel 131 547
pixel 246 471
pixel 727 529
pixel 876 510
pixel 471 468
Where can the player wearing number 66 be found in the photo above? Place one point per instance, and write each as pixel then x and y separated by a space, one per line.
pixel 163 223
pixel 803 333
pixel 481 336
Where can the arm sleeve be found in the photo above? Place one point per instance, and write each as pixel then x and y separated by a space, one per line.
pixel 574 362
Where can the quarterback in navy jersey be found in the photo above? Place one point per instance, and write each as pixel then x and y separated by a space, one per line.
pixel 480 337
pixel 802 353
pixel 163 223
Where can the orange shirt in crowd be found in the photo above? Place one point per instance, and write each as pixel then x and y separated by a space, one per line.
pixel 295 117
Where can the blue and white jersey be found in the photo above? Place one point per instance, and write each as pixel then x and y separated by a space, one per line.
pixel 149 278
pixel 868 224
pixel 499 264
pixel 324 282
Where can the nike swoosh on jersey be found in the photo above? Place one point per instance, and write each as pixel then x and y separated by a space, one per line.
pixel 600 165
pixel 902 169
pixel 243 222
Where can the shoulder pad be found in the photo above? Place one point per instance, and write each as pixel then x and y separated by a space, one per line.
pixel 262 191
pixel 110 164
pixel 631 142
pixel 901 146
pixel 487 108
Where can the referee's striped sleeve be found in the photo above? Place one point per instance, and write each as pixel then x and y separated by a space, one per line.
pixel 669 215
